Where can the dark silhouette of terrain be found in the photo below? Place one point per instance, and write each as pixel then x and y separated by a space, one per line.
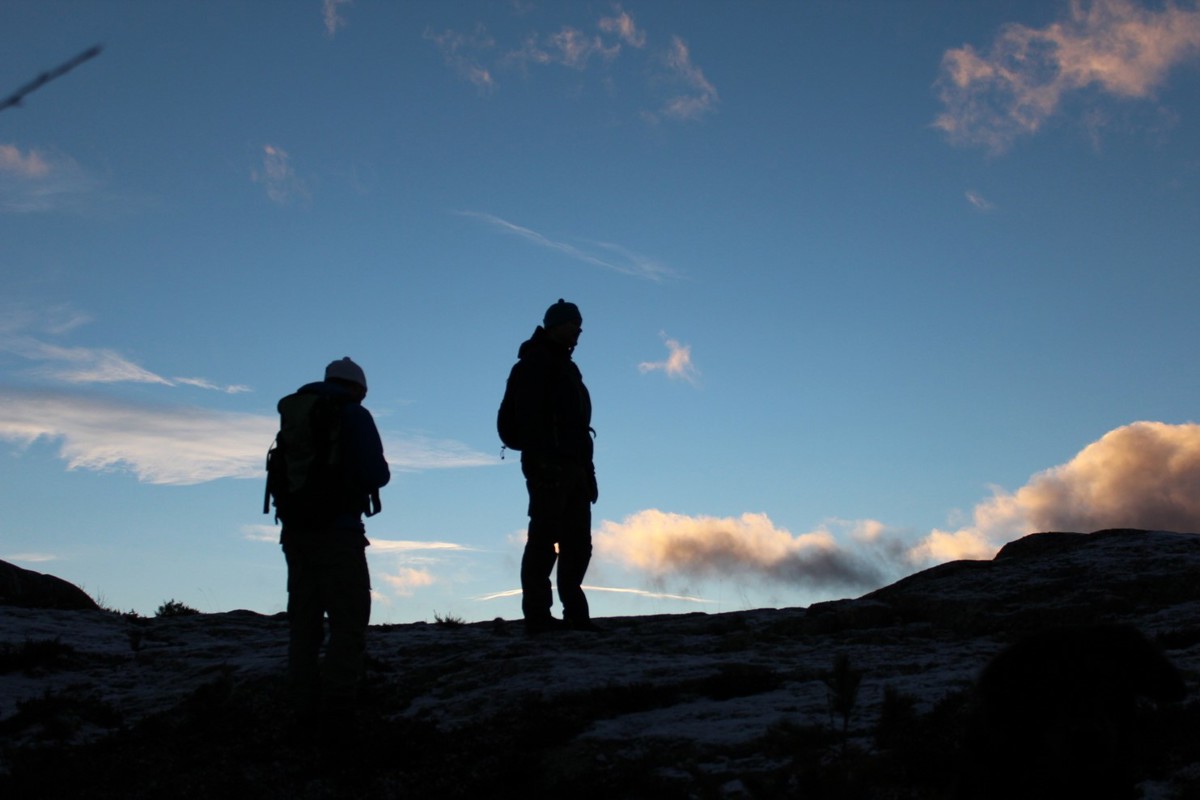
pixel 1059 716
pixel 1056 666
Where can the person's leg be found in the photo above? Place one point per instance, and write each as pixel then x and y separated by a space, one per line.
pixel 306 631
pixel 347 591
pixel 537 563
pixel 574 556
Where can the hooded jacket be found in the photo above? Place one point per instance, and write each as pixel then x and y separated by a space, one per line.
pixel 554 409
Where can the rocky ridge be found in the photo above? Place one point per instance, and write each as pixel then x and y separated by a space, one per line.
pixel 869 697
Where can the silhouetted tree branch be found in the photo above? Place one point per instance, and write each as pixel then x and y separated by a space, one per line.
pixel 16 97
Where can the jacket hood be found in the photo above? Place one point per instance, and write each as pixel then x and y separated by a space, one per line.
pixel 541 343
pixel 328 389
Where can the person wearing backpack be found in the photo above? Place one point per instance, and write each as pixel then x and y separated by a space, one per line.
pixel 324 473
pixel 547 415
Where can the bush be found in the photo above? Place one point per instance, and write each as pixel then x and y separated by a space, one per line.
pixel 174 608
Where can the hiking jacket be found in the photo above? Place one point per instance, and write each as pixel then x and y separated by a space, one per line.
pixel 362 454
pixel 554 409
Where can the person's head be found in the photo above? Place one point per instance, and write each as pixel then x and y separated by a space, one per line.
pixel 345 372
pixel 563 323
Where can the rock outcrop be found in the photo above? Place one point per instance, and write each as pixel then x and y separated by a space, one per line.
pixel 28 589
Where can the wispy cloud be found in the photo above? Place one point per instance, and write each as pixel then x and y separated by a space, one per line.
pixel 278 177
pixel 478 58
pixel 418 452
pixel 465 53
pixel 23 165
pixel 979 202
pixel 34 181
pixel 1142 475
pixel 333 19
pixel 403 546
pixel 687 598
pixel 697 97
pixel 28 558
pixel 162 445
pixel 611 589
pixel 1115 46
pixel 665 545
pixel 568 47
pixel 625 262
pixel 678 364
pixel 202 383
pixel 624 27
pixel 178 445
pixel 22 332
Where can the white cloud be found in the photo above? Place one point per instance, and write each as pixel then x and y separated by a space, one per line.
pixel 28 558
pixel 417 452
pixel 1114 46
pixel 84 364
pixel 202 383
pixel 500 595
pixel 278 177
pixel 405 581
pixel 20 329
pixel 179 445
pixel 687 598
pixel 402 546
pixel 261 533
pixel 626 263
pixel 979 202
pixel 158 444
pixel 678 364
pixel 333 20
pixel 611 589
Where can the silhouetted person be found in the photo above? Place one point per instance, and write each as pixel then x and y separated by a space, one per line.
pixel 1057 714
pixel 334 467
pixel 554 414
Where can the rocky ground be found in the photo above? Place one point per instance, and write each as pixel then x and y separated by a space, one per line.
pixel 873 697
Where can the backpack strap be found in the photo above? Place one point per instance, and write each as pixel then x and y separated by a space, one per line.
pixel 267 490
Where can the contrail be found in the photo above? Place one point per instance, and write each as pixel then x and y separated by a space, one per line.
pixel 16 97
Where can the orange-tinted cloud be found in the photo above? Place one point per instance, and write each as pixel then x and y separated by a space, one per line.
pixel 1142 475
pixel 665 545
pixel 678 364
pixel 26 165
pixel 1116 46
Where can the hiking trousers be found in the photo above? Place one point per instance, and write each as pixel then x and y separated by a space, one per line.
pixel 327 575
pixel 559 516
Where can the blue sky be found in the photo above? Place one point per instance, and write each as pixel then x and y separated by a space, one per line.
pixel 866 286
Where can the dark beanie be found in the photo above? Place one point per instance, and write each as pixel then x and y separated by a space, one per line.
pixel 561 312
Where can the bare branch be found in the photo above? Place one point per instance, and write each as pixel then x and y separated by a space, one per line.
pixel 16 97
